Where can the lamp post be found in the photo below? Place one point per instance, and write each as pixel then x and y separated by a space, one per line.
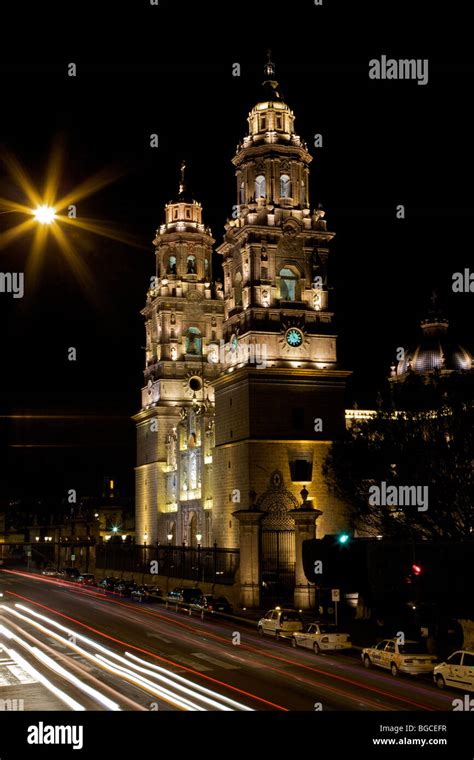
pixel 199 539
pixel 145 536
pixel 170 538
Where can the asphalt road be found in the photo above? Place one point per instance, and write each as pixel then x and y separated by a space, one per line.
pixel 69 647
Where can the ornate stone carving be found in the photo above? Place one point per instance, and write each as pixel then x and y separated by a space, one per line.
pixel 277 501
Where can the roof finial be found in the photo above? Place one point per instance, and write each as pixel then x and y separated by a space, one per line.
pixel 269 68
pixel 182 184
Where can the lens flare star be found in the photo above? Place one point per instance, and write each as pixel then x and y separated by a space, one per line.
pixel 45 214
pixel 48 213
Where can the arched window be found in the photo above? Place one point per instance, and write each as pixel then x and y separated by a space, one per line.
pixel 260 187
pixel 288 282
pixel 206 267
pixel 242 192
pixel 238 289
pixel 285 186
pixel 193 341
pixel 172 265
pixel 191 269
pixel 303 192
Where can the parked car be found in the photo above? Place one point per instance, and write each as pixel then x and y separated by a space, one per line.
pixel 71 573
pixel 280 622
pixel 321 636
pixel 87 579
pixel 51 572
pixel 146 594
pixel 184 595
pixel 108 583
pixel 210 603
pixel 125 587
pixel 410 657
pixel 457 671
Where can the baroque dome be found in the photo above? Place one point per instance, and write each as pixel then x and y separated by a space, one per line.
pixel 437 351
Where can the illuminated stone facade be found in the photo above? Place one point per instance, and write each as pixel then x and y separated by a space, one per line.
pixel 272 400
pixel 175 427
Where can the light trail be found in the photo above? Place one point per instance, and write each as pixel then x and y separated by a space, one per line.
pixel 154 655
pixel 178 683
pixel 69 701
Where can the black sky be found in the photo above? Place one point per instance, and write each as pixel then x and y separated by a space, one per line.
pixel 168 69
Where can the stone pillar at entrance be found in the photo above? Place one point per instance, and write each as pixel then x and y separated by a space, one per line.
pixel 250 585
pixel 305 528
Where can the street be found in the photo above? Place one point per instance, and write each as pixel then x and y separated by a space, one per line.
pixel 67 647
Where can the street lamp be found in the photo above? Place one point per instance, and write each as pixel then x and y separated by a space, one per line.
pixel 199 539
pixel 170 537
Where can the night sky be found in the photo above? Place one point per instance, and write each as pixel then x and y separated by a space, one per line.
pixel 168 70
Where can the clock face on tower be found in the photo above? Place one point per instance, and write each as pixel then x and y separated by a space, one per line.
pixel 294 337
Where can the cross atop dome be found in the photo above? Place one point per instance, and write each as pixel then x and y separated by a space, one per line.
pixel 269 68
pixel 182 184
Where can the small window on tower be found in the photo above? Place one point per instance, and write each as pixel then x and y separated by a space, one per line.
pixel 206 266
pixel 285 186
pixel 288 282
pixel 175 215
pixel 260 188
pixel 193 341
pixel 172 265
pixel 242 192
pixel 302 191
pixel 263 123
pixel 279 122
pixel 301 471
pixel 188 213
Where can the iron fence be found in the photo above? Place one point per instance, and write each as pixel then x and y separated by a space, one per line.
pixel 202 564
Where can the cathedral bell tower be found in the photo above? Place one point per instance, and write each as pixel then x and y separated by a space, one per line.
pixel 280 397
pixel 175 426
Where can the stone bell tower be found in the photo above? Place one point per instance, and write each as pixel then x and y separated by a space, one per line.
pixel 280 396
pixel 175 426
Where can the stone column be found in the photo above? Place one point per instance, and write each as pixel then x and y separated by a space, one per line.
pixel 250 583
pixel 305 528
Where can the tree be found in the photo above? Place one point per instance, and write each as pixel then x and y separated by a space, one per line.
pixel 422 435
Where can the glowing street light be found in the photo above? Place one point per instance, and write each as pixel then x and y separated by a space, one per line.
pixel 45 214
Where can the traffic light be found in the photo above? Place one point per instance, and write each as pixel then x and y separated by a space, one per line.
pixel 416 569
pixel 343 538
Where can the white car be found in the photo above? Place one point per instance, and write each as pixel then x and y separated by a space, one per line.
pixel 280 622
pixel 457 671
pixel 410 657
pixel 321 636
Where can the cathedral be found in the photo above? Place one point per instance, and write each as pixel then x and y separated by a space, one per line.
pixel 242 392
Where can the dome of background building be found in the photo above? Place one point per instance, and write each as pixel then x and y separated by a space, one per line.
pixel 437 350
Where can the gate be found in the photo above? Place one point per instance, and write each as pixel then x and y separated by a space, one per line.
pixel 278 564
pixel 277 541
